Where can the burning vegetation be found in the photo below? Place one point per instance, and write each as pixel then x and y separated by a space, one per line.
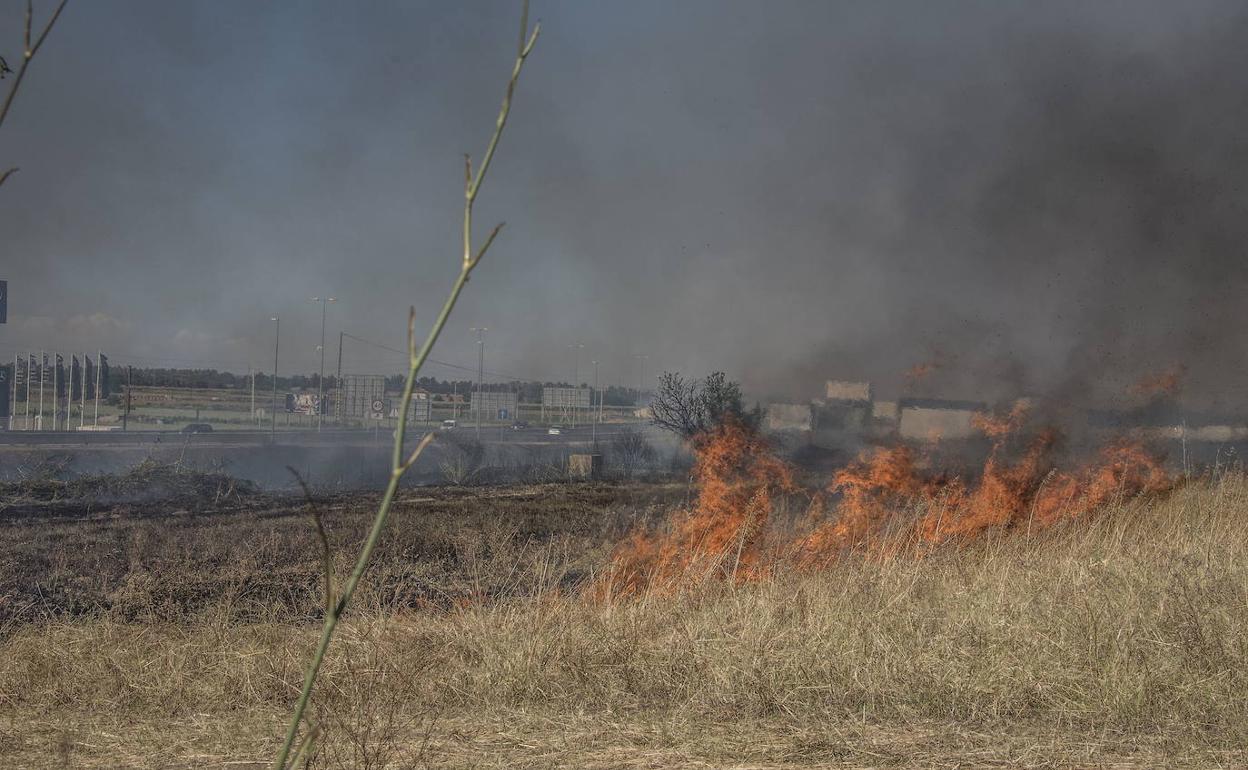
pixel 723 532
pixel 888 502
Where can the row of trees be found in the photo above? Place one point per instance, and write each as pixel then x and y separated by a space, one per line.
pixel 528 391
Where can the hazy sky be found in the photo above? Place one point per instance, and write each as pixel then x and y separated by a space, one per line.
pixel 1040 197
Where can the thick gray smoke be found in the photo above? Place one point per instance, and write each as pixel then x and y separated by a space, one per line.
pixel 1038 198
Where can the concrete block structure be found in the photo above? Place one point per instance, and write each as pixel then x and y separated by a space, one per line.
pixel 848 391
pixel 933 419
pixel 787 417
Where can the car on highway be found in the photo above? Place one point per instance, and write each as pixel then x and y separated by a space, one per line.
pixel 198 427
pixel 449 424
pixel 519 425
pixel 554 430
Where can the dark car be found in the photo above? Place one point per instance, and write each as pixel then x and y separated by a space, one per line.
pixel 519 425
pixel 198 427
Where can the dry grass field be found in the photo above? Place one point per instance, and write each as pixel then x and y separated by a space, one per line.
pixel 154 635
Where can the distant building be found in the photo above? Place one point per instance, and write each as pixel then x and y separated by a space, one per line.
pixel 846 391
pixel 885 411
pixel 494 405
pixel 934 419
pixel 787 417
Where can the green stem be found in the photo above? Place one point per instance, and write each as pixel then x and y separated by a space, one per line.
pixel 398 466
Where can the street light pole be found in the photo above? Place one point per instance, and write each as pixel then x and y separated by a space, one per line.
pixel 576 375
pixel 338 385
pixel 476 399
pixel 641 374
pixel 277 339
pixel 320 383
pixel 594 431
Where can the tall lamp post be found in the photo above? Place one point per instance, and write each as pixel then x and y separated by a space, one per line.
pixel 594 431
pixel 576 375
pixel 641 374
pixel 476 399
pixel 277 339
pixel 320 382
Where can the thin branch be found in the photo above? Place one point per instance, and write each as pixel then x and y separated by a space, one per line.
pixel 524 28
pixel 488 240
pixel 415 455
pixel 398 464
pixel 411 334
pixel 7 173
pixel 326 555
pixel 28 53
pixel 305 746
pixel 43 35
pixel 501 122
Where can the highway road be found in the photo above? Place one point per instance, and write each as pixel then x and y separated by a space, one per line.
pixel 535 437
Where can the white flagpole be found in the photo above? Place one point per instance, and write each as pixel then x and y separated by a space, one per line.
pixel 69 390
pixel 97 388
pixel 43 373
pixel 82 395
pixel 56 398
pixel 30 359
pixel 69 387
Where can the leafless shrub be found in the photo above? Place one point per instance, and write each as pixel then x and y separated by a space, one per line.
pixel 629 453
pixel 463 459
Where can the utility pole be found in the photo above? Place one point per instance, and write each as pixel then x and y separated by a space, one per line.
pixel 320 383
pixel 338 385
pixel 476 399
pixel 277 338
pixel 576 376
pixel 125 418
pixel 251 372
pixel 594 431
pixel 641 374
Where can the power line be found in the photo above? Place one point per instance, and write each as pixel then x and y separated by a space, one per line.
pixel 469 369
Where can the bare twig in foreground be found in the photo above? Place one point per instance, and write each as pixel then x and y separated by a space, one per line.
pixel 28 52
pixel 416 359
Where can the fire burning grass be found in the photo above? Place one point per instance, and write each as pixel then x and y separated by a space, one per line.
pixel 1112 632
pixel 886 505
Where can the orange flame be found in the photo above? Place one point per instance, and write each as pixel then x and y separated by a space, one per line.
pixel 738 478
pixel 886 500
pixel 1164 383
pixel 919 372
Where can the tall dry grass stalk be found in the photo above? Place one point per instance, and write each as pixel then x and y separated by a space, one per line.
pixel 416 358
